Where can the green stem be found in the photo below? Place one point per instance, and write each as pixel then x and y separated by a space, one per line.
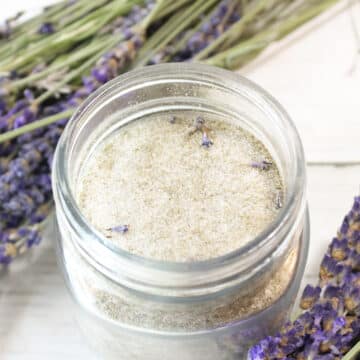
pixel 75 73
pixel 172 28
pixel 9 135
pixel 353 354
pixel 235 30
pixel 266 18
pixel 65 39
pixel 83 11
pixel 244 51
pixel 26 33
pixel 157 37
pixel 182 43
pixel 78 56
pixel 153 14
pixel 172 7
pixel 51 46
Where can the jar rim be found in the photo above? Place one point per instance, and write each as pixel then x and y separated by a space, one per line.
pixel 64 196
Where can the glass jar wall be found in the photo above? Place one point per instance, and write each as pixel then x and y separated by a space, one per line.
pixel 132 307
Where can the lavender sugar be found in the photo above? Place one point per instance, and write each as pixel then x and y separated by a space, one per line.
pixel 175 189
pixel 182 190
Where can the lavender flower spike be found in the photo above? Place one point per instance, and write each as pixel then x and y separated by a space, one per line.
pixel 330 324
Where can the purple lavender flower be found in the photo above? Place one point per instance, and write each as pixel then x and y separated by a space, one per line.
pixel 6 121
pixel 46 28
pixel 205 141
pixel 122 229
pixel 310 296
pixel 20 205
pixel 339 249
pixel 225 15
pixel 329 268
pixel 101 75
pixel 352 299
pixel 333 323
pixel 332 291
pixel 111 65
pixel 344 227
pixel 3 107
pixel 257 353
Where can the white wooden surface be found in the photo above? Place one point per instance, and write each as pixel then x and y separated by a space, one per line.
pixel 310 74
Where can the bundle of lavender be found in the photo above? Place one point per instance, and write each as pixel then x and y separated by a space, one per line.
pixel 329 325
pixel 50 63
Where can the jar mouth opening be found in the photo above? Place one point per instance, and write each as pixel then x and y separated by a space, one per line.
pixel 63 192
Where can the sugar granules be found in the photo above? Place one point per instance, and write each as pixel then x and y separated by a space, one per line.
pixel 180 188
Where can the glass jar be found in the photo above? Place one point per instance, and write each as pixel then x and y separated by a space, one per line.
pixel 136 308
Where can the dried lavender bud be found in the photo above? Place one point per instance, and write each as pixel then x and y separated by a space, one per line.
pixel 206 142
pixel 6 121
pixel 329 268
pixel 172 119
pixel 110 66
pixel 46 29
pixel 16 241
pixel 352 299
pixel 310 296
pixel 120 229
pixel 262 165
pixel 339 249
pixel 333 323
pixel 225 15
pixel 3 107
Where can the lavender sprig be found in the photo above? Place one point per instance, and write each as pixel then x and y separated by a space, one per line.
pixel 25 185
pixel 330 323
